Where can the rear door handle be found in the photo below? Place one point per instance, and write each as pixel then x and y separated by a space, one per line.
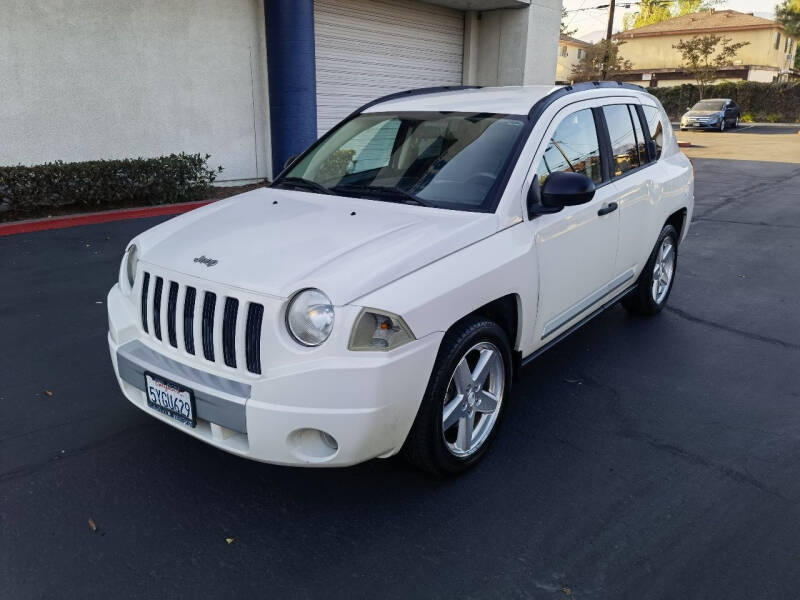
pixel 611 207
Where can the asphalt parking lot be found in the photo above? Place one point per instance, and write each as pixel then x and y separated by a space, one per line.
pixel 641 458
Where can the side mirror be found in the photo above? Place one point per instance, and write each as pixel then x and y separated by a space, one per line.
pixel 290 160
pixel 560 189
pixel 564 188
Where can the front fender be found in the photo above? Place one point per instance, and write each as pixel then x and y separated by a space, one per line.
pixel 433 298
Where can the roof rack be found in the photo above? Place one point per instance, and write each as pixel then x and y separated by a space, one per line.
pixel 535 111
pixel 542 104
pixel 414 92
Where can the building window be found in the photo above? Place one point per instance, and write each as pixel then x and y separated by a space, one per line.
pixel 777 41
pixel 563 50
pixel 580 53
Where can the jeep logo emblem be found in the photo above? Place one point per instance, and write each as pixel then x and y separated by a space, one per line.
pixel 209 262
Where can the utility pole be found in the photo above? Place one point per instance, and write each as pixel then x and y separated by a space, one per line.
pixel 607 55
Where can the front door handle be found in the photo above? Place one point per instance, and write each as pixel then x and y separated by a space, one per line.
pixel 611 207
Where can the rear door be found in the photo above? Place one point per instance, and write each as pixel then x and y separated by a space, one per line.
pixel 576 247
pixel 631 174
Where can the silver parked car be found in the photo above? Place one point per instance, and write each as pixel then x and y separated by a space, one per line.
pixel 714 113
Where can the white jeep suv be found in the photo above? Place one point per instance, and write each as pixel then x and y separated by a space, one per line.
pixel 381 294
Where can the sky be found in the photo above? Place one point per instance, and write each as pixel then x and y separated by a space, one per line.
pixel 591 24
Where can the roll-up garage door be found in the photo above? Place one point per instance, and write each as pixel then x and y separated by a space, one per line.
pixel 368 48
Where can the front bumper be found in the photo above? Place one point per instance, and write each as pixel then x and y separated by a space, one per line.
pixel 699 125
pixel 366 401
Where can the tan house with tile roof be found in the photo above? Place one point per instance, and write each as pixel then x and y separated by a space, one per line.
pixel 570 51
pixel 769 56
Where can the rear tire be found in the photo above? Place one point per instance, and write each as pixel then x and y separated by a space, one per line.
pixel 465 399
pixel 655 281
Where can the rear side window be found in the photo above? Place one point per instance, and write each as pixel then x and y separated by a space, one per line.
pixel 573 147
pixel 652 117
pixel 641 146
pixel 624 147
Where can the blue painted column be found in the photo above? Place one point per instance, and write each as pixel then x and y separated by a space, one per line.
pixel 291 72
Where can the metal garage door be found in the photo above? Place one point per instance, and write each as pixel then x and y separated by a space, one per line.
pixel 368 48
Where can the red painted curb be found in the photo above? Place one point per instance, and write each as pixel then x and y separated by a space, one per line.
pixel 122 214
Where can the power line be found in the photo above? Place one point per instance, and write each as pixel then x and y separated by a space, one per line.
pixel 603 7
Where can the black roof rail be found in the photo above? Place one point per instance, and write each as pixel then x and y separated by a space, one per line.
pixel 542 104
pixel 414 92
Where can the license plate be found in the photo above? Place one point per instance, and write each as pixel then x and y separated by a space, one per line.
pixel 170 399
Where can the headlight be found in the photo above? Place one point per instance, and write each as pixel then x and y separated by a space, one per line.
pixel 128 269
pixel 309 317
pixel 379 330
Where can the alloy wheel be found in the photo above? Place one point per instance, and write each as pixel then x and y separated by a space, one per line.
pixel 663 270
pixel 473 398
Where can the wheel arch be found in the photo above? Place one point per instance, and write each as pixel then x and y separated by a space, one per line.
pixel 678 221
pixel 506 311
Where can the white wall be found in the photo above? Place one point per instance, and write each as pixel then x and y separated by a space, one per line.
pixel 515 46
pixel 89 79
pixel 763 75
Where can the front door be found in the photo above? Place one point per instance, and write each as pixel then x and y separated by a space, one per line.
pixel 576 247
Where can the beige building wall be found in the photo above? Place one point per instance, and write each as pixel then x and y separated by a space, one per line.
pixel 656 52
pixel 566 63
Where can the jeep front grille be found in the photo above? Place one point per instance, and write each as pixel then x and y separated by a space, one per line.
pixel 230 332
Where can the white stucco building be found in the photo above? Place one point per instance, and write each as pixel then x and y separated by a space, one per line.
pixel 247 81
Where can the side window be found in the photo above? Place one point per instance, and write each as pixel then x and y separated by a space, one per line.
pixel 624 150
pixel 641 146
pixel 653 118
pixel 573 147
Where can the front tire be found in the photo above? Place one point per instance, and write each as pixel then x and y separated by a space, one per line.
pixel 464 401
pixel 722 125
pixel 655 281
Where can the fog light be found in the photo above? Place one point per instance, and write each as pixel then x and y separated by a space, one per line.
pixel 328 440
pixel 312 445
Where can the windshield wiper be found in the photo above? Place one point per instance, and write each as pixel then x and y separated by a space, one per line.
pixel 397 194
pixel 306 184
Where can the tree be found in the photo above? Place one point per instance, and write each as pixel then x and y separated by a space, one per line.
pixel 788 13
pixel 590 66
pixel 565 24
pixel 654 11
pixel 703 60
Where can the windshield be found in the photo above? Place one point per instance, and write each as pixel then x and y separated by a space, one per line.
pixel 709 105
pixel 442 159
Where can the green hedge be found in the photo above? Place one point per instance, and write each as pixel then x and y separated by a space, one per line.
pixel 98 184
pixel 764 101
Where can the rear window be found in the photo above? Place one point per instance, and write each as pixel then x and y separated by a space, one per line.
pixel 652 117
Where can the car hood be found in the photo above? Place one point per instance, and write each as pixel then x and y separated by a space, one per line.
pixel 275 242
